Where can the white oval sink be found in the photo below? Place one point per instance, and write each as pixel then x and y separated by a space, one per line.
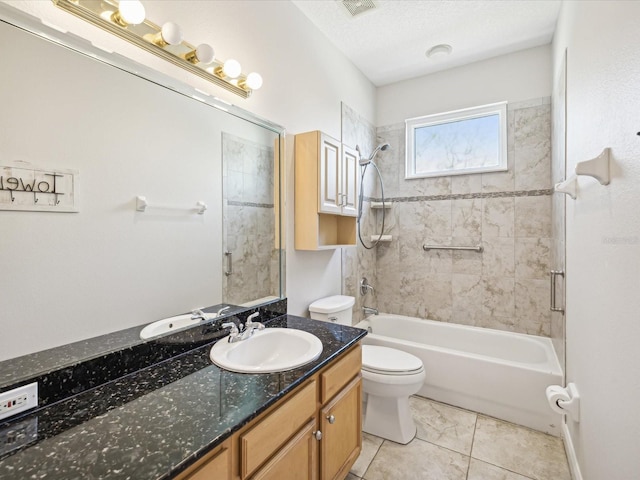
pixel 168 325
pixel 267 351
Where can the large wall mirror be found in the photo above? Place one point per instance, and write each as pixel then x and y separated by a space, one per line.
pixel 67 277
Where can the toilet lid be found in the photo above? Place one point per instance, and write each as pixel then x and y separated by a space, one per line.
pixel 389 361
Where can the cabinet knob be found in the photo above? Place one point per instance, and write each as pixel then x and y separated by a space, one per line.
pixel 331 419
pixel 317 434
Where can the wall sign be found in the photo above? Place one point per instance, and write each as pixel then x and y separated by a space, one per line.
pixel 28 188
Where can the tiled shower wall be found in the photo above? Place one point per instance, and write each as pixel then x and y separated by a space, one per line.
pixel 249 220
pixel 358 261
pixel 509 213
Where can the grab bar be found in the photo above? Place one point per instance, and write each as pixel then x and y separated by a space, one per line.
pixel 478 248
pixel 554 274
pixel 229 270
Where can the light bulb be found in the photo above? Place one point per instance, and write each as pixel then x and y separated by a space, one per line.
pixel 130 12
pixel 253 81
pixel 171 33
pixel 232 68
pixel 202 54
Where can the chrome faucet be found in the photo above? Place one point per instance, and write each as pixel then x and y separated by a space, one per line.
pixel 234 334
pixel 238 334
pixel 369 311
pixel 199 314
pixel 251 325
pixel 221 311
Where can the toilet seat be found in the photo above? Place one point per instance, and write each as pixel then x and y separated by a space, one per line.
pixel 389 361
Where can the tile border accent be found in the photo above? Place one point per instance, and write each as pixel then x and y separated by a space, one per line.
pixel 462 196
pixel 249 204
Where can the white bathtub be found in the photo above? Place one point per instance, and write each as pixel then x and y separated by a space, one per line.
pixel 501 374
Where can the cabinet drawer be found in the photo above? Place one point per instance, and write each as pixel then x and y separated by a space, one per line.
pixel 296 460
pixel 270 434
pixel 333 379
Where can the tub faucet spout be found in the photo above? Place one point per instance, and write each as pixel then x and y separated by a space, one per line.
pixel 369 310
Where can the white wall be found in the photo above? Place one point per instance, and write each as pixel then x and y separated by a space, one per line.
pixel 514 77
pixel 603 233
pixel 305 78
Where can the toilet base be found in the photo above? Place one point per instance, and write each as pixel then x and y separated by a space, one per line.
pixel 389 418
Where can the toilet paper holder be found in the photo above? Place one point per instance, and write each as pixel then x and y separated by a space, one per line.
pixel 565 401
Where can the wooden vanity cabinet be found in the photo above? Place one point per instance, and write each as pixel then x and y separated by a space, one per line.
pixel 326 192
pixel 314 433
pixel 215 465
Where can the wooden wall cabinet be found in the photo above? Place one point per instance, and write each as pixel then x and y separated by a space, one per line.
pixel 327 183
pixel 314 433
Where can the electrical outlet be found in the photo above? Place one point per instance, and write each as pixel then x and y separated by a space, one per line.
pixel 18 400
pixel 18 435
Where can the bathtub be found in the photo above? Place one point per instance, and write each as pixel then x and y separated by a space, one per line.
pixel 501 374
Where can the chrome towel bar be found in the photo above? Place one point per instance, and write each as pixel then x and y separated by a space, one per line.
pixel 478 248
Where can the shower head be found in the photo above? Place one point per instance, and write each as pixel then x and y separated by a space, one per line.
pixel 367 161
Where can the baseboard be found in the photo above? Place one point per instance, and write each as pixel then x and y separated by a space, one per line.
pixel 571 453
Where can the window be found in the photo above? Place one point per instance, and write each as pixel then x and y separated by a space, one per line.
pixel 472 140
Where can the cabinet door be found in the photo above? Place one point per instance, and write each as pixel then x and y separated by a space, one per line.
pixel 329 191
pixel 341 426
pixel 217 466
pixel 350 181
pixel 297 460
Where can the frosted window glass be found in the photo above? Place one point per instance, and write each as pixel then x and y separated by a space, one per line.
pixel 463 142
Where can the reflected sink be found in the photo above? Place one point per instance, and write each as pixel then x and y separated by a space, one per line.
pixel 267 351
pixel 169 325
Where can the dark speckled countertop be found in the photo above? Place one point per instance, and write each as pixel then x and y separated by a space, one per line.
pixel 154 423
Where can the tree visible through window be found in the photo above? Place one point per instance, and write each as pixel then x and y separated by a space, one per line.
pixel 465 141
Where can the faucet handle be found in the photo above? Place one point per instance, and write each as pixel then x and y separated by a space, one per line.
pixel 232 326
pixel 251 324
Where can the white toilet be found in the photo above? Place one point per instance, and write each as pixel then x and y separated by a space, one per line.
pixel 389 377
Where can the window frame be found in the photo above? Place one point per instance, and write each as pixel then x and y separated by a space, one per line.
pixel 499 108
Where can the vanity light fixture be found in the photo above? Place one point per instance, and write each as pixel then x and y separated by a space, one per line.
pixel 130 12
pixel 169 34
pixel 127 20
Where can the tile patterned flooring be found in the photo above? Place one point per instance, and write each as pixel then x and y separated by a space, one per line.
pixel 456 444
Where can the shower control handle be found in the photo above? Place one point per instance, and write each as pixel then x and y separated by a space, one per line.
pixel 554 274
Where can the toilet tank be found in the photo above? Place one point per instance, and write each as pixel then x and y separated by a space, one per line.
pixel 338 309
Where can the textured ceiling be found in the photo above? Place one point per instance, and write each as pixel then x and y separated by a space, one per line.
pixel 388 43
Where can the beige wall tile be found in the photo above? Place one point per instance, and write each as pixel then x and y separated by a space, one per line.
pixel 533 168
pixel 532 257
pixel 497 217
pixel 532 306
pixel 533 216
pixel 498 297
pixel 466 261
pixel 466 217
pixel 498 257
pixel 467 293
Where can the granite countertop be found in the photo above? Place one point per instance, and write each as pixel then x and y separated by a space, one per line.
pixel 154 423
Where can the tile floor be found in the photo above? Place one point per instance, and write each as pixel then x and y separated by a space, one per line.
pixel 456 444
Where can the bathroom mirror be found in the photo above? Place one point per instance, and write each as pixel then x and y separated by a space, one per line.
pixel 125 131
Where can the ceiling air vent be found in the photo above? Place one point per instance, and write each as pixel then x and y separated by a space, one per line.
pixel 356 7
